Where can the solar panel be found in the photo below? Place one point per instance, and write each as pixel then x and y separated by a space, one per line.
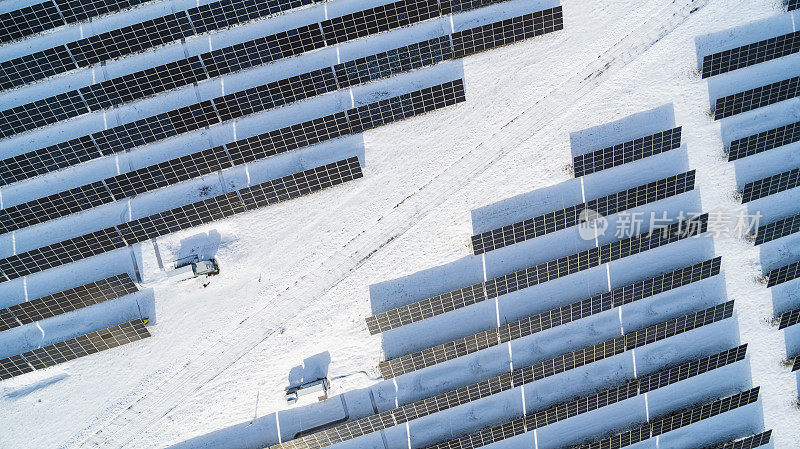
pixel 36 66
pixel 626 152
pixel 677 420
pixel 28 21
pixel 796 364
pixel 566 410
pixel 791 5
pixel 747 442
pixel 756 98
pixel 771 185
pixel 568 217
pixel 79 10
pixel 764 141
pixel 549 319
pixel 179 218
pixel 41 112
pixel 74 348
pixel 226 13
pixel 7 320
pixel 473 392
pixel 378 19
pixel 535 275
pixel 789 319
pixel 783 274
pixel 48 159
pixel 506 32
pixel 751 54
pixel 72 299
pixel 777 229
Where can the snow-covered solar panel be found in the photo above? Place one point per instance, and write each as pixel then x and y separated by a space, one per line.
pixel 756 98
pixel 51 355
pixel 218 158
pixel 777 229
pixel 183 217
pixel 497 384
pixel 68 300
pixel 535 275
pixel 544 417
pixel 771 185
pixel 764 141
pixel 751 54
pixel 783 274
pixel 549 319
pixel 625 152
pixel 570 216
pixel 789 319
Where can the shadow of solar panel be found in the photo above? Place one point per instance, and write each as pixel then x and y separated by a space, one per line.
pixel 751 54
pixel 777 229
pixel 506 32
pixel 60 253
pixel 378 19
pixel 627 152
pixel 771 185
pixel 571 216
pixel 560 412
pixel 550 319
pixel 679 419
pixel 789 319
pixel 54 206
pixel 756 98
pixel 764 141
pixel 67 350
pixel 28 21
pixel 783 274
pixel 535 275
pixel 73 299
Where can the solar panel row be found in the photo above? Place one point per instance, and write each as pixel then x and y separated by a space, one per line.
pixel 571 216
pixel 783 274
pixel 751 54
pixel 756 98
pixel 74 348
pixel 791 5
pixel 764 141
pixel 789 319
pixel 549 319
pixel 771 185
pixel 626 152
pixel 796 364
pixel 178 218
pixel 234 153
pixel 535 275
pixel 100 96
pixel 136 38
pixel 748 442
pixel 683 418
pixel 777 229
pixel 540 418
pixel 67 301
pixel 503 382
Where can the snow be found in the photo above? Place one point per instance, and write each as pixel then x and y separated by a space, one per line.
pixel 297 279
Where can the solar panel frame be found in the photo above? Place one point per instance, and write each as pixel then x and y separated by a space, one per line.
pixel 756 98
pixel 771 185
pixel 783 274
pixel 777 229
pixel 750 54
pixel 764 141
pixel 562 219
pixel 626 152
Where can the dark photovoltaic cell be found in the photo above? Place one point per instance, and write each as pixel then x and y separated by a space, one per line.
pixel 626 152
pixel 535 275
pixel 677 420
pixel 756 98
pixel 29 20
pixel 771 185
pixel 791 5
pixel 747 442
pixel 139 37
pixel 178 218
pixel 796 364
pixel 79 10
pixel 751 54
pixel 214 159
pixel 71 299
pixel 783 274
pixel 566 410
pixel 74 348
pixel 777 229
pixel 764 141
pixel 378 19
pixel 7 320
pixel 549 319
pixel 565 218
pixel 494 385
pixel 789 319
pixel 506 32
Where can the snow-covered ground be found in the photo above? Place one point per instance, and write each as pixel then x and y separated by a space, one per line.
pixel 298 278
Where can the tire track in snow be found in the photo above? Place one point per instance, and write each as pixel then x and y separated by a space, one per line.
pixel 129 425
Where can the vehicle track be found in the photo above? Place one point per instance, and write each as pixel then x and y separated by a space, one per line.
pixel 128 426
